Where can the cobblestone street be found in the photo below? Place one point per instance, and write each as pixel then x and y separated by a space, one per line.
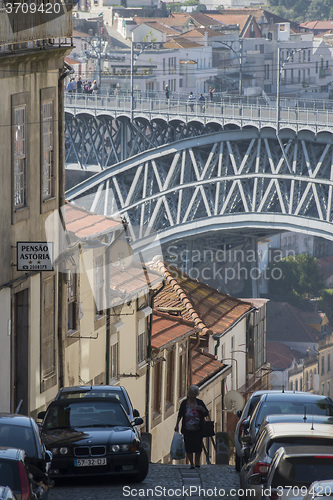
pixel 163 481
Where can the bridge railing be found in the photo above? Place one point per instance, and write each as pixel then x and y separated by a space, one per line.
pixel 222 111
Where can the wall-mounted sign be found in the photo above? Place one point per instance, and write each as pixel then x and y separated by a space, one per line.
pixel 34 256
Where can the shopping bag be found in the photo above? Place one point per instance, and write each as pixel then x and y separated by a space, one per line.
pixel 177 450
pixel 208 428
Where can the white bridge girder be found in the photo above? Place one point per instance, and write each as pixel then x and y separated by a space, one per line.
pixel 229 175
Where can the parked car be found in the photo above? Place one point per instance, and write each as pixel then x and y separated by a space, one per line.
pixel 302 403
pixel 271 437
pixel 22 432
pixel 244 417
pixel 100 391
pixel 14 473
pixel 6 493
pixel 293 470
pixel 319 490
pixel 92 436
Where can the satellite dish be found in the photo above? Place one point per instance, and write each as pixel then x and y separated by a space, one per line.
pixel 121 254
pixel 233 401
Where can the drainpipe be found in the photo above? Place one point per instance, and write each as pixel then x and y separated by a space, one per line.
pixel 62 296
pixel 150 328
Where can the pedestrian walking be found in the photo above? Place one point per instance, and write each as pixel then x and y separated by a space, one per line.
pixel 79 86
pixel 167 93
pixel 192 412
pixel 69 86
pixel 74 85
pixel 211 94
pixel 191 101
pixel 94 87
pixel 202 102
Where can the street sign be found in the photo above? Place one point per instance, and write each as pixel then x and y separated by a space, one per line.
pixel 34 256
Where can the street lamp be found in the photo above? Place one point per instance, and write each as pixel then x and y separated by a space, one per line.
pixel 239 54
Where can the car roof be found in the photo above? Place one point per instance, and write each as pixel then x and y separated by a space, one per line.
pixel 304 396
pixel 102 388
pixel 11 453
pixel 295 417
pixel 296 429
pixel 296 451
pixel 275 391
pixel 15 419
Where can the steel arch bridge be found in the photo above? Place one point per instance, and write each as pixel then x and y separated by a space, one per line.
pixel 227 179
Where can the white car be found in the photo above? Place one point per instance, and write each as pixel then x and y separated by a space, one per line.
pixel 6 493
pixel 320 490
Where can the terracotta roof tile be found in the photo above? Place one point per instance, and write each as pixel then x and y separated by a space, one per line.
pixel 281 356
pixel 83 223
pixel 132 279
pixel 213 312
pixel 204 366
pixel 167 329
pixel 285 323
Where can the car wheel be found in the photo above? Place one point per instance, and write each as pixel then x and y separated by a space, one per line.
pixel 238 463
pixel 143 466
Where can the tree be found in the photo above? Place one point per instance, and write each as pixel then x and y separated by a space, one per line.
pixel 302 10
pixel 295 277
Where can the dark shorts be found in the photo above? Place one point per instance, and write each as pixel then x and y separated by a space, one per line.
pixel 193 441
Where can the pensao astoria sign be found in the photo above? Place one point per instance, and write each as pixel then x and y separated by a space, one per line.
pixel 34 256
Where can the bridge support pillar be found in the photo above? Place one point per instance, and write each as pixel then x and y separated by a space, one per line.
pixel 255 271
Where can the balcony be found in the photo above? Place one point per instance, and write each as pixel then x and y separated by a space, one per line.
pixel 34 25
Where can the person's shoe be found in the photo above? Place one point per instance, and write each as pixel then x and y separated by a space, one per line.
pixel 197 466
pixel 192 467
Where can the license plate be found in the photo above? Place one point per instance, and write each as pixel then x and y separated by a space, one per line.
pixel 88 462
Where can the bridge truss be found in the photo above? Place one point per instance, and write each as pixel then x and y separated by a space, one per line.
pixel 224 179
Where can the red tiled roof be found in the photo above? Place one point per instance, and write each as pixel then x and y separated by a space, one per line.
pixel 175 43
pixel 85 224
pixel 204 366
pixel 167 329
pixel 212 311
pixel 286 323
pixel 231 18
pixel 132 279
pixel 318 25
pixel 281 356
pixel 200 33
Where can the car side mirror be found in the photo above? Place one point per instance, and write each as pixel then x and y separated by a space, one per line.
pixel 136 413
pixel 41 415
pixel 256 479
pixel 245 424
pixel 238 413
pixel 137 421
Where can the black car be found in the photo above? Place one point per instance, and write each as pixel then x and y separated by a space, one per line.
pixel 15 473
pixel 93 436
pixel 22 432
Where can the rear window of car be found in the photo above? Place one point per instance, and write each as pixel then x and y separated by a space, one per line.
pixel 274 444
pixel 16 436
pixel 9 474
pixel 96 394
pixel 302 471
pixel 293 408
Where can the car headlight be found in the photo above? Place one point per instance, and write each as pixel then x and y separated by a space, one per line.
pixel 64 450
pixel 115 447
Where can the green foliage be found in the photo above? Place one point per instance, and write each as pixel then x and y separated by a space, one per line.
pixel 302 10
pixel 296 278
pixel 326 303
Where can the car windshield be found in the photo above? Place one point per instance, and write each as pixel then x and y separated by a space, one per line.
pixel 85 414
pixel 96 394
pixel 293 407
pixel 16 436
pixel 9 474
pixel 302 471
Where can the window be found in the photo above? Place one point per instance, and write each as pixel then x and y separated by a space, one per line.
pixel 114 360
pixel 296 385
pixel 157 398
pixel 311 380
pixel 48 328
pixel 72 302
pixel 99 282
pixel 47 150
pixel 291 386
pixel 329 389
pixel 307 381
pixel 142 342
pixel 182 370
pixel 20 160
pixel 322 365
pixel 170 370
pixel 328 362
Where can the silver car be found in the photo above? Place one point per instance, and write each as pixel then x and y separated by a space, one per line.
pixel 6 493
pixel 301 403
pixel 320 489
pixel 274 436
